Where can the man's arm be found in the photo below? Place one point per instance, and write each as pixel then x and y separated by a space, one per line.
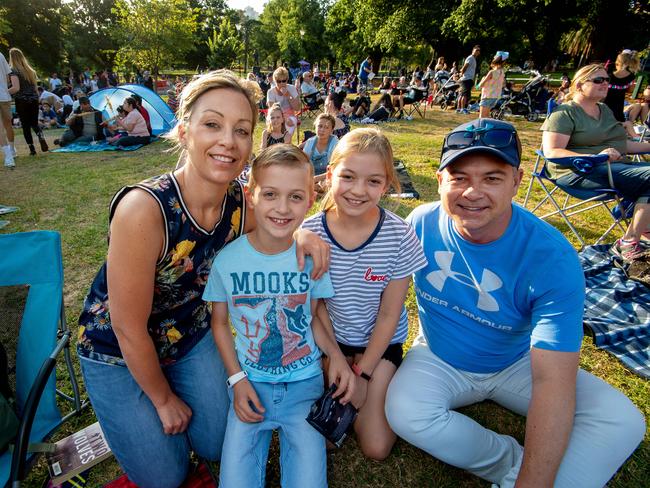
pixel 550 415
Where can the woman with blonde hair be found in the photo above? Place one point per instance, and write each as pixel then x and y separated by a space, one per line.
pixel 287 96
pixel 621 82
pixel 585 125
pixel 275 131
pixel 26 98
pixel 150 364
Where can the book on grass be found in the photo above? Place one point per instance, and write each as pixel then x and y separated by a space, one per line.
pixel 77 453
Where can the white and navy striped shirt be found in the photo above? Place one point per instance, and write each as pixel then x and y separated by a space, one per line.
pixel 360 275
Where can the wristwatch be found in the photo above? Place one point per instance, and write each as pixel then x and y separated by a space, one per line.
pixel 359 372
pixel 236 378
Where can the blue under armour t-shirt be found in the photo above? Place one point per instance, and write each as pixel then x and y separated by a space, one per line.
pixel 483 306
pixel 269 303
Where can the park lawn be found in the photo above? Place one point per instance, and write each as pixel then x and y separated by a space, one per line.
pixel 70 193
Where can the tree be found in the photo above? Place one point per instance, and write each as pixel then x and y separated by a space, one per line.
pixel 154 33
pixel 224 45
pixel 210 13
pixel 5 28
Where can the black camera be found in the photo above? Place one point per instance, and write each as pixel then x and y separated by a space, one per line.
pixel 332 419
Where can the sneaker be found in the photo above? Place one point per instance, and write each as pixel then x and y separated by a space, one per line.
pixel 14 153
pixel 627 250
pixel 44 146
pixel 9 160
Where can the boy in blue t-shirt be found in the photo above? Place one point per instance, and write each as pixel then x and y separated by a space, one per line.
pixel 273 362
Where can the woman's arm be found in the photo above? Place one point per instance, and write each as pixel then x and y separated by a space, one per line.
pixel 137 236
pixel 634 147
pixel 14 81
pixel 264 141
pixel 244 393
pixel 128 122
pixel 287 137
pixel 554 146
pixel 485 78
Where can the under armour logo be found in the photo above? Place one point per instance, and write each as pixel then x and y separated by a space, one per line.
pixel 489 281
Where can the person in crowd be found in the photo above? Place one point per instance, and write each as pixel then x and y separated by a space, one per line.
pixel 172 101
pixel 319 148
pixel 565 84
pixel 491 87
pixel 84 125
pixel 55 82
pixel 364 72
pixel 584 125
pixel 67 103
pixel 47 117
pixel 275 131
pixel 52 99
pixel 133 124
pixel 487 336
pixel 144 112
pixel 334 107
pixel 361 104
pixel 23 89
pixel 467 75
pixel 386 85
pixel 413 93
pixel 382 110
pixel 309 92
pixel 621 81
pixel 440 64
pixel 374 253
pixel 283 353
pixel 102 81
pixel 454 68
pixel 144 330
pixel 639 111
pixel 94 83
pixel 6 127
pixel 287 96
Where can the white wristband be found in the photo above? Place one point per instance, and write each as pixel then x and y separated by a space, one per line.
pixel 236 378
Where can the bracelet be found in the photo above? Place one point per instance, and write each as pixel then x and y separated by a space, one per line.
pixel 359 372
pixel 236 378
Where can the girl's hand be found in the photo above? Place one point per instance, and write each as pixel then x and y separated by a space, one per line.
pixel 309 243
pixel 339 372
pixel 247 405
pixel 613 154
pixel 289 122
pixel 174 415
pixel 360 393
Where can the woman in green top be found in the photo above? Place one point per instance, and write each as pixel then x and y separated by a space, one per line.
pixel 584 125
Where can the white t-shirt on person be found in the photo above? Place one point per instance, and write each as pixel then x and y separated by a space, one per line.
pixel 274 96
pixel 5 69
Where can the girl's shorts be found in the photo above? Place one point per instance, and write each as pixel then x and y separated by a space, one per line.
pixel 393 352
pixel 488 102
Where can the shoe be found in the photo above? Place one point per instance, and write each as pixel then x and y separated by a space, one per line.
pixel 32 151
pixel 44 146
pixel 627 250
pixel 9 158
pixel 13 151
pixel 57 142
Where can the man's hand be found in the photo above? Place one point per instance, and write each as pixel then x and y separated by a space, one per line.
pixel 247 404
pixel 174 414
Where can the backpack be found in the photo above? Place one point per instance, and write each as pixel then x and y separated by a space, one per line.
pixel 8 418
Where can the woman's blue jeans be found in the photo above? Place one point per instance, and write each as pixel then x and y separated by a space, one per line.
pixel 130 422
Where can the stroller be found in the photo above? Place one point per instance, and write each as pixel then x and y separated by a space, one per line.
pixel 530 102
pixel 446 90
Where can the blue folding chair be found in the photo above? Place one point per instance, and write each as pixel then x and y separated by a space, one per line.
pixel 31 274
pixel 576 200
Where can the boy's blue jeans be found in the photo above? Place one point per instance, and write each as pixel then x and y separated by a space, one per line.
pixel 303 459
pixel 130 422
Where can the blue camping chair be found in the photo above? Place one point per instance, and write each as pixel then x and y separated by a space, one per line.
pixel 31 273
pixel 576 200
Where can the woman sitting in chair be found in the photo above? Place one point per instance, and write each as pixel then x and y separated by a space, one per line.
pixel 310 93
pixel 585 125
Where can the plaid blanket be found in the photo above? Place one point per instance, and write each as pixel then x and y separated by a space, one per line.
pixel 617 310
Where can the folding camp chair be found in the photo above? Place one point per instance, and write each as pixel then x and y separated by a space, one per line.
pixel 34 333
pixel 419 107
pixel 576 200
pixel 310 107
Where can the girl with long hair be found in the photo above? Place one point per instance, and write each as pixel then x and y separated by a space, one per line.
pixel 26 98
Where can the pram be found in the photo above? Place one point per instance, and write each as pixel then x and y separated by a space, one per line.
pixel 446 90
pixel 530 102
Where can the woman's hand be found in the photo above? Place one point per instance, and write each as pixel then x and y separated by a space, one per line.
pixel 247 404
pixel 339 372
pixel 613 154
pixel 174 414
pixel 308 243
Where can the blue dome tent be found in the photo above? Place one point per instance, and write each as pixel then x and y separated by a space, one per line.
pixel 108 99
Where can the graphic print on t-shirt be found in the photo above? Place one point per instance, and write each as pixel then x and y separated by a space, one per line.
pixel 275 322
pixel 489 281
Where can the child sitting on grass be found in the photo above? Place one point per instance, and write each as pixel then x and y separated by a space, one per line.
pixel 274 361
pixel 276 131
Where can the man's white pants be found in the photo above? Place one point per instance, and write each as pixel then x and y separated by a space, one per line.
pixel 425 391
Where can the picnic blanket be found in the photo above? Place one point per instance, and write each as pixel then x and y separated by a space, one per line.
pixel 617 310
pixel 96 147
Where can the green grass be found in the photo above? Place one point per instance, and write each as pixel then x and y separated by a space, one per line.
pixel 70 193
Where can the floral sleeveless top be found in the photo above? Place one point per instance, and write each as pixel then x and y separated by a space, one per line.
pixel 179 317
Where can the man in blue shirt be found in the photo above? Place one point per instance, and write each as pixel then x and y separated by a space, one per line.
pixel 500 306
pixel 364 70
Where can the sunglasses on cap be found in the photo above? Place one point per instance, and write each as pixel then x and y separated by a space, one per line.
pixel 490 137
pixel 599 80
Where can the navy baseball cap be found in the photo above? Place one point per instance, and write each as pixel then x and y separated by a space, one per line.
pixel 482 135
